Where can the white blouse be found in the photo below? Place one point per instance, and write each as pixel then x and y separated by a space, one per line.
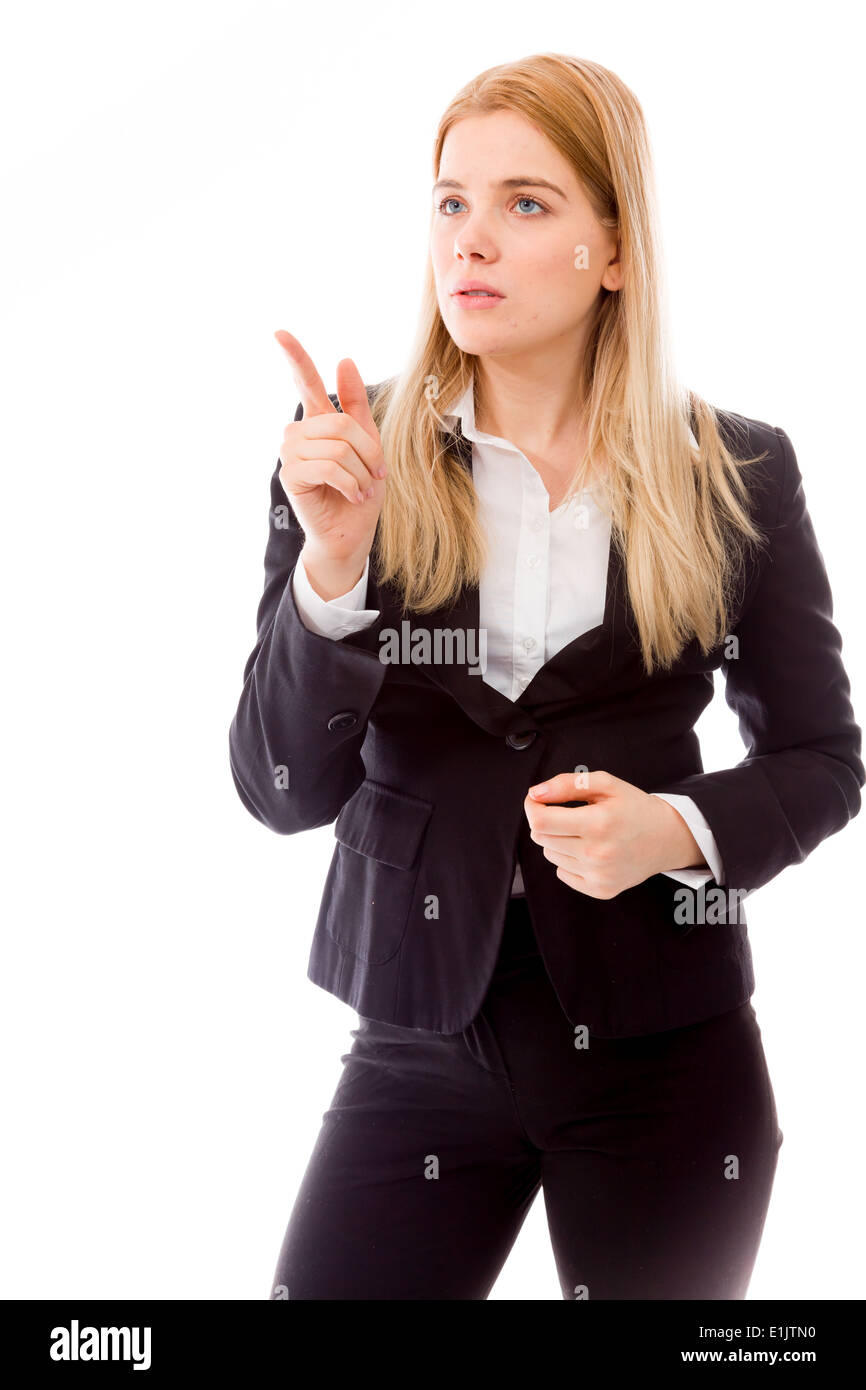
pixel 544 585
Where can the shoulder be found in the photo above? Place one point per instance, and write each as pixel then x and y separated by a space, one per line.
pixel 774 473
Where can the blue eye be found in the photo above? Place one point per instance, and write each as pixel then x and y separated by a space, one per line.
pixel 523 198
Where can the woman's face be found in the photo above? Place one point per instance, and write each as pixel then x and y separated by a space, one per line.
pixel 543 250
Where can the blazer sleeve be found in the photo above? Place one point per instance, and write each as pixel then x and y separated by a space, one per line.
pixel 801 778
pixel 295 739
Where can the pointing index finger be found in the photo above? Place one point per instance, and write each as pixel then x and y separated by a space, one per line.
pixel 310 386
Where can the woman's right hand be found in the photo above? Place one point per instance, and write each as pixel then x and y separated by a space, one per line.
pixel 328 457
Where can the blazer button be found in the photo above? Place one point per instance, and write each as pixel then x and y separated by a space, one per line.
pixel 345 720
pixel 521 740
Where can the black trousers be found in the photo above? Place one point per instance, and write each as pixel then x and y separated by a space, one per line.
pixel 656 1155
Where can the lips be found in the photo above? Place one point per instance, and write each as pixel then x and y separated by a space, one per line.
pixel 477 289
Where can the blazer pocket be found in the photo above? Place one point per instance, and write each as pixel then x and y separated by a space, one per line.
pixel 373 875
pixel 699 925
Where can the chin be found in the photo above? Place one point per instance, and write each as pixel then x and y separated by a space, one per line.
pixel 478 341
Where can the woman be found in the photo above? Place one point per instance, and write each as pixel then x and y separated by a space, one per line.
pixel 535 901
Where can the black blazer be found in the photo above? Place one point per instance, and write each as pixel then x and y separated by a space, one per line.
pixel 426 768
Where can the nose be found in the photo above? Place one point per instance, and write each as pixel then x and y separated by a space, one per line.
pixel 473 240
pixel 461 255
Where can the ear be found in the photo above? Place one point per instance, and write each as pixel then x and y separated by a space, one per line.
pixel 612 279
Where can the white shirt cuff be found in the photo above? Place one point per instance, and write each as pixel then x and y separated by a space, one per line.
pixel 336 617
pixel 697 823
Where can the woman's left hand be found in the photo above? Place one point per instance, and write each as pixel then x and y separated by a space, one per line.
pixel 622 837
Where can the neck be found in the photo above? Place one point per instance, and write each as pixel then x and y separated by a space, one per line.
pixel 540 410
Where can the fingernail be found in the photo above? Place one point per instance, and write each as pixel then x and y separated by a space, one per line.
pixel 540 789
pixel 359 496
pixel 369 492
pixel 380 472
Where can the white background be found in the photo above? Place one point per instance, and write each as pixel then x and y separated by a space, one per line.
pixel 180 180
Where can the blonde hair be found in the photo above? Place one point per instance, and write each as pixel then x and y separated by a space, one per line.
pixel 678 512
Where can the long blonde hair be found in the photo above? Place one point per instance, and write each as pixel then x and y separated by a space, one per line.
pixel 679 514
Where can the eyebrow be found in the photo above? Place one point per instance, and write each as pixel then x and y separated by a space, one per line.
pixel 519 182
